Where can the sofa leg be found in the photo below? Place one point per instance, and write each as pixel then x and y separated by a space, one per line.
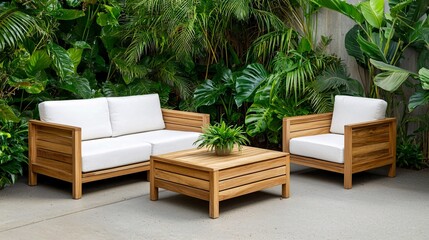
pixel 347 180
pixel 392 170
pixel 77 191
pixel 32 178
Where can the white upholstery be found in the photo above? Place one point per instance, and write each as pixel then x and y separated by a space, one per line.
pixel 113 152
pixel 135 114
pixel 91 115
pixel 165 141
pixel 329 147
pixel 349 110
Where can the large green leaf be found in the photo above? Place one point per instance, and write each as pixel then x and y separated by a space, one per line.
pixel 77 85
pixel 392 78
pixel 76 56
pixel 31 85
pixel 419 98
pixel 424 78
pixel 373 11
pixel 343 7
pixel 370 49
pixel 249 81
pixel 67 14
pixel 14 27
pixel 257 117
pixel 39 60
pixel 6 113
pixel 207 93
pixel 61 59
pixel 352 45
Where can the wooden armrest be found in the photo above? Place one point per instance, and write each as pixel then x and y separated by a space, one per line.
pixel 185 121
pixel 38 123
pixel 374 139
pixel 305 126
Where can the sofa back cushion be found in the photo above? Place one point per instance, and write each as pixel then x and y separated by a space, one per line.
pixel 349 110
pixel 91 115
pixel 135 114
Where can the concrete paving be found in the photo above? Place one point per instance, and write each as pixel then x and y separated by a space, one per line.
pixel 377 207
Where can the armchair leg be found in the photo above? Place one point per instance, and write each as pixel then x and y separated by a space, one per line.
pixel 347 180
pixel 392 170
pixel 32 178
pixel 77 190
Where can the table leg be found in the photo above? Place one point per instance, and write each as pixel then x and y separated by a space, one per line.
pixel 153 188
pixel 286 186
pixel 214 195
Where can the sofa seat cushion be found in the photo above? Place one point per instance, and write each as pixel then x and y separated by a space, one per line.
pixel 113 152
pixel 328 147
pixel 165 141
pixel 91 115
pixel 349 110
pixel 134 114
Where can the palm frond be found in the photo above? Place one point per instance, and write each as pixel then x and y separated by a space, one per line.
pixel 14 27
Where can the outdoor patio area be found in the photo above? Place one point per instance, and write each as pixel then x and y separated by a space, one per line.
pixel 377 207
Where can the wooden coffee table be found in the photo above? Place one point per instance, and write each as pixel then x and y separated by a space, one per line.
pixel 201 174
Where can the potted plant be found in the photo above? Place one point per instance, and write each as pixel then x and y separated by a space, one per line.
pixel 222 138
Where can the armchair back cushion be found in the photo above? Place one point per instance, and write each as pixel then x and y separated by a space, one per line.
pixel 134 114
pixel 349 110
pixel 91 115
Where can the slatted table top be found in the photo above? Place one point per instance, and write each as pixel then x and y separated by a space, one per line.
pixel 204 160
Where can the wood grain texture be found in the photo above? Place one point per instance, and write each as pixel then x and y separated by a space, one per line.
pixel 185 121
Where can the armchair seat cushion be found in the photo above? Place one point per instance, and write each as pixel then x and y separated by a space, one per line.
pixel 328 147
pixel 166 141
pixel 107 153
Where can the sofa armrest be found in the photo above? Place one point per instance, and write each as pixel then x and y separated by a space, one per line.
pixel 307 125
pixel 185 121
pixel 369 141
pixel 54 150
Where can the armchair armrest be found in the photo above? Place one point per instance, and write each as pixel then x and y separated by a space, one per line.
pixel 307 125
pixel 185 121
pixel 367 141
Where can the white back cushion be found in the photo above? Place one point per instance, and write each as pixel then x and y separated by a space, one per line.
pixel 349 110
pixel 92 115
pixel 135 114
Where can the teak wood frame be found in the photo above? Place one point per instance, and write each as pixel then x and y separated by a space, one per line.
pixel 55 150
pixel 367 145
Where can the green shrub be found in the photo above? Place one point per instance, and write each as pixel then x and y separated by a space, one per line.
pixel 409 154
pixel 13 151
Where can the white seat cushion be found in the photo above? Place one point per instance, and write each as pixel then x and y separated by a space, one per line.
pixel 135 114
pixel 349 110
pixel 91 115
pixel 166 141
pixel 329 147
pixel 113 152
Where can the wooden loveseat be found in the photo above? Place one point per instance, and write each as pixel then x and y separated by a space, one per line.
pixel 81 141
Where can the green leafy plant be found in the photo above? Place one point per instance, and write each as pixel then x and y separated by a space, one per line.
pixel 409 154
pixel 222 138
pixel 13 151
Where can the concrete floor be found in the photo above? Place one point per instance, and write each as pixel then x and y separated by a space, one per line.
pixel 377 207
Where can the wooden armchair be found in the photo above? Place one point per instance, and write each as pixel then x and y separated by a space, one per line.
pixel 362 145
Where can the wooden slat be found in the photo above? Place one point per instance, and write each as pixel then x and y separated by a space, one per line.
pixel 173 126
pixel 117 171
pixel 182 121
pixel 254 177
pixel 246 169
pixel 47 125
pixel 54 131
pixel 54 147
pixel 359 167
pixel 181 179
pixel 65 158
pixel 182 170
pixel 310 125
pixel 310 132
pixel 189 191
pixel 49 137
pixel 238 191
pixel 316 163
pixel 51 172
pixel 67 167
